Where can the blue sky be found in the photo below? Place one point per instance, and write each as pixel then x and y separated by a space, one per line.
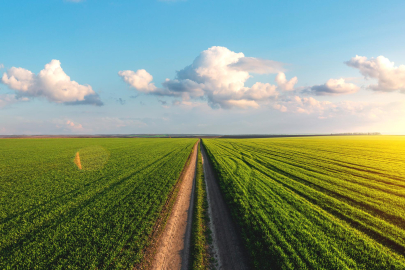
pixel 95 40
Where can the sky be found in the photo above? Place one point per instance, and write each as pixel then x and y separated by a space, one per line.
pixel 201 67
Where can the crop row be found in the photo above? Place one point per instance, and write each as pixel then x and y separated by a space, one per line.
pixel 56 216
pixel 306 203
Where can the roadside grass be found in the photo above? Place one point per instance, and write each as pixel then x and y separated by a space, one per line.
pixel 200 233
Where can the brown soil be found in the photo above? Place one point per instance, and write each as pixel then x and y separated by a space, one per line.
pixel 174 245
pixel 228 248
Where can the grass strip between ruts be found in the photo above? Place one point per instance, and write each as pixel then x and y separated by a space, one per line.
pixel 200 233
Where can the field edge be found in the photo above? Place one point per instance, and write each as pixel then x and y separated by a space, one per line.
pixel 159 227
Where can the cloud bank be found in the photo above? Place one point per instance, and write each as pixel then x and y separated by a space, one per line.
pixel 217 75
pixel 389 77
pixel 334 87
pixel 51 83
pixel 328 110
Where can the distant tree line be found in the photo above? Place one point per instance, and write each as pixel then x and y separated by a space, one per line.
pixel 357 133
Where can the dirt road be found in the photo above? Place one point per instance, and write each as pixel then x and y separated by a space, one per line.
pixel 226 241
pixel 174 245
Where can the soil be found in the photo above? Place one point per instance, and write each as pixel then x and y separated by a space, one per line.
pixel 174 245
pixel 227 247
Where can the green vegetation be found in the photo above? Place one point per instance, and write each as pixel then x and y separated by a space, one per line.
pixel 316 203
pixel 92 158
pixel 54 215
pixel 200 234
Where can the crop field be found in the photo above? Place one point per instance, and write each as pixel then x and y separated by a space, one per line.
pixel 54 215
pixel 317 202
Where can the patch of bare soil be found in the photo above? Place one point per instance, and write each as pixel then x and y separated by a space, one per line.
pixel 174 245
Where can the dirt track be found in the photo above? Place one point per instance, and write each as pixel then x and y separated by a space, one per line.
pixel 226 240
pixel 173 247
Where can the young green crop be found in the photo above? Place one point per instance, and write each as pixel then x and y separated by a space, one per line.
pixel 316 203
pixel 54 215
pixel 199 258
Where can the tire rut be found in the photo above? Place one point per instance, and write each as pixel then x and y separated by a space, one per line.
pixel 227 244
pixel 174 246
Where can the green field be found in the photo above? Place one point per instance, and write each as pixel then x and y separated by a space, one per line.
pixel 316 203
pixel 55 216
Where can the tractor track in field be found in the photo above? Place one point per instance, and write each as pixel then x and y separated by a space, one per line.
pixel 227 245
pixel 174 246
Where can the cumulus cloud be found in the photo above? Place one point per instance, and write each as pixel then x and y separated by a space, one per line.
pixel 140 80
pixel 284 84
pixel 389 77
pixel 51 83
pixel 334 87
pixel 217 75
pixel 305 105
pixel 184 88
pixel 328 109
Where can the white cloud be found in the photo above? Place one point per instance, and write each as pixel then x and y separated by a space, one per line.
pixel 334 87
pixel 283 84
pixel 241 103
pixel 327 109
pixel 51 83
pixel 188 104
pixel 18 79
pixel 257 65
pixel 279 107
pixel 139 80
pixel 217 75
pixel 1 66
pixel 260 91
pixel 308 105
pixel 389 77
